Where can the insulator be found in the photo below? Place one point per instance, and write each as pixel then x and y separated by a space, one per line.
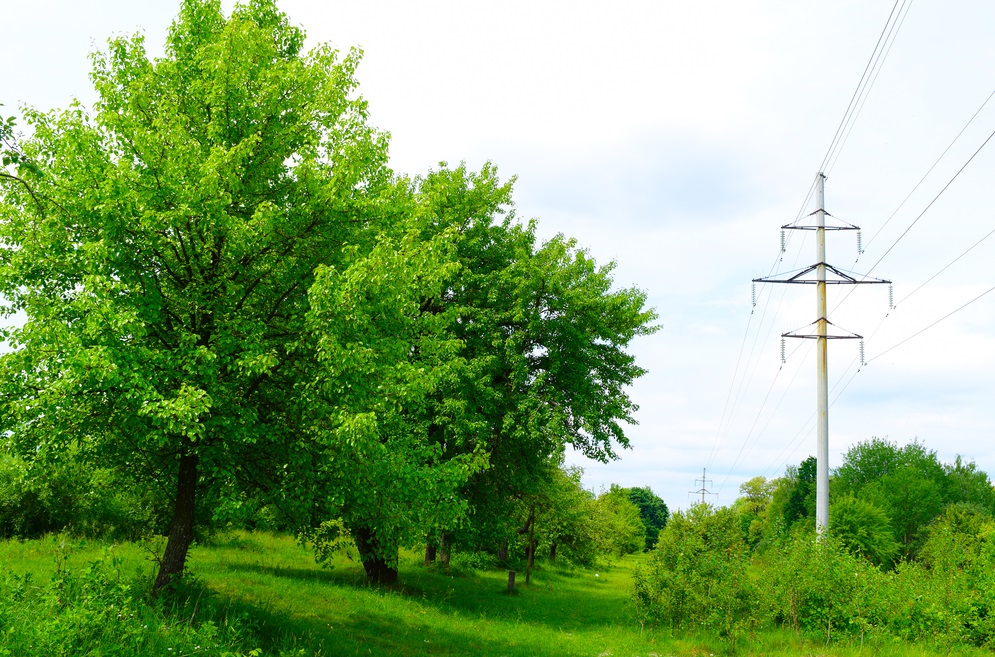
pixel 783 241
pixel 754 294
pixel 891 296
pixel 860 243
pixel 783 356
pixel 862 361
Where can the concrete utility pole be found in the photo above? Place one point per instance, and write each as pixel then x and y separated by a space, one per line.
pixel 822 367
pixel 821 335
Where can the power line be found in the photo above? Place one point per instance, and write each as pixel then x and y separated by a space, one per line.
pixel 750 374
pixel 926 209
pixel 849 113
pixel 896 26
pixel 949 265
pixel 926 175
pixel 780 401
pixel 747 376
pixel 921 214
pixel 921 331
pixel 887 37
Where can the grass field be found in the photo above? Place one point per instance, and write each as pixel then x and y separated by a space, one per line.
pixel 289 604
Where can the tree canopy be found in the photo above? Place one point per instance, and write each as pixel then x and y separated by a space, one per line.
pixel 230 296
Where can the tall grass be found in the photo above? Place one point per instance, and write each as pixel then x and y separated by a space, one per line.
pixel 264 593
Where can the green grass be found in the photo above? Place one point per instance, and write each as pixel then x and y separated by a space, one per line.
pixel 288 602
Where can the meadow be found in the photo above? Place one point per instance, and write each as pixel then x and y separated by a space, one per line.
pixel 262 594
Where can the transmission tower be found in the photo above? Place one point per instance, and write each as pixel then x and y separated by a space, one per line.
pixel 703 491
pixel 822 334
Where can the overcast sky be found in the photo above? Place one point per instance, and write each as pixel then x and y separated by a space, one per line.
pixel 676 137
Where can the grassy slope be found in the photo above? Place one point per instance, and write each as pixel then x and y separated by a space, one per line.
pixel 290 600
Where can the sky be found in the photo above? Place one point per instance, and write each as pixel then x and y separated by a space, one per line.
pixel 676 137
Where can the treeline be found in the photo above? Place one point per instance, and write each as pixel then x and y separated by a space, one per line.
pixel 230 311
pixel 910 554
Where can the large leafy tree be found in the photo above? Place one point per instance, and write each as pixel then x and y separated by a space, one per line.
pixel 195 262
pixel 543 361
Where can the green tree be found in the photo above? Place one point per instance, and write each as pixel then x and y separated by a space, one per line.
pixel 188 258
pixel 969 485
pixel 652 510
pixel 566 522
pixel 619 528
pixel 863 528
pixel 757 495
pixel 543 361
pixel 698 573
pixel 801 500
pixel 908 483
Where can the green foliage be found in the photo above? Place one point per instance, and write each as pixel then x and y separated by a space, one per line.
pixel 698 575
pixel 264 593
pixel 566 524
pixel 863 528
pixel 653 511
pixel 96 610
pixel 801 498
pixel 821 586
pixel 36 499
pixel 878 483
pixel 757 495
pixel 910 485
pixel 839 588
pixel 223 282
pixel 619 525
pixel 541 361
pixel 967 484
pixel 230 295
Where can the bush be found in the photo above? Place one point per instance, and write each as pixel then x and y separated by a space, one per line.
pixel 698 575
pixel 94 610
pixel 864 529
pixel 37 500
pixel 822 587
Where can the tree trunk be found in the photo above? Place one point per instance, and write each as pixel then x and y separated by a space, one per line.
pixel 502 554
pixel 181 530
pixel 552 552
pixel 429 553
pixel 532 545
pixel 443 550
pixel 378 569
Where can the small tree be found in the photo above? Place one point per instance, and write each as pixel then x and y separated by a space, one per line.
pixel 620 527
pixel 653 511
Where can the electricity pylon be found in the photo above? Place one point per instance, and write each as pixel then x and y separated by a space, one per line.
pixel 821 335
pixel 703 491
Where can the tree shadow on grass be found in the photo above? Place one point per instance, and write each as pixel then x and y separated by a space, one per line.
pixel 555 606
pixel 360 633
pixel 299 574
pixel 352 578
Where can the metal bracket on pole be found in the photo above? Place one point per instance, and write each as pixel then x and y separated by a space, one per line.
pixel 844 277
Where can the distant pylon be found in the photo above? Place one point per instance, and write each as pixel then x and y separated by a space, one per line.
pixel 703 491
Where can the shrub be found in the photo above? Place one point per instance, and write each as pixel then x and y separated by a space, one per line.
pixel 698 575
pixel 94 610
pixel 36 500
pixel 864 529
pixel 821 586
